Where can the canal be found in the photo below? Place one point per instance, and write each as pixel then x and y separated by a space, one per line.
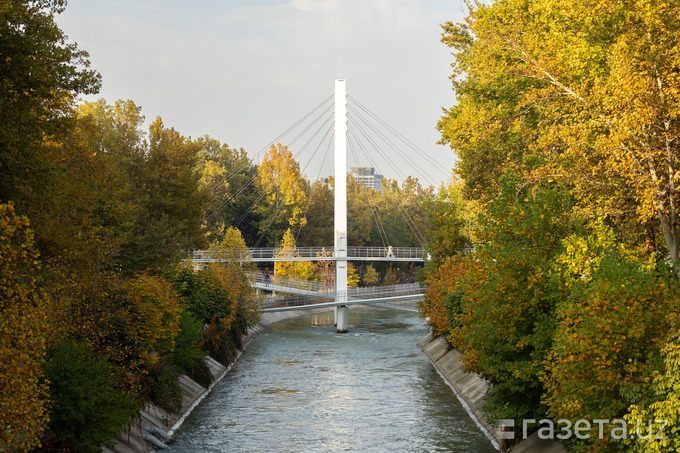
pixel 300 386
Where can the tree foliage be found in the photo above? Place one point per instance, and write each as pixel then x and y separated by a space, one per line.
pixel 88 409
pixel 305 270
pixel 23 335
pixel 285 191
pixel 40 75
pixel 579 91
pixel 229 175
pixel 565 127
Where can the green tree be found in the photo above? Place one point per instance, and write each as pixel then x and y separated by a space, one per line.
pixel 362 214
pixel 172 204
pixel 319 229
pixel 41 73
pixel 402 214
pixel 88 407
pixel 509 296
pixel 230 177
pixel 663 405
pixel 448 227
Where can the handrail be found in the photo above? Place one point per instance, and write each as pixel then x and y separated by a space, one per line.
pixel 290 282
pixel 373 292
pixel 321 253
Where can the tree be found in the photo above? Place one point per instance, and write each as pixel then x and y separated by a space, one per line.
pixel 235 246
pixel 285 191
pixel 656 421
pixel 401 212
pixel 304 270
pixel 89 409
pixel 132 321
pixel 171 205
pixel 230 176
pixel 362 215
pixel 611 325
pixel 352 276
pixel 40 76
pixel 508 296
pixel 23 336
pixel 370 276
pixel 584 92
pixel 318 230
pixel 448 227
pixel 221 298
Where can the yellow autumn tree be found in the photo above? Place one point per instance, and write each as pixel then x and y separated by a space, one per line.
pixel 23 336
pixel 352 276
pixel 234 248
pixel 279 177
pixel 294 269
pixel 371 276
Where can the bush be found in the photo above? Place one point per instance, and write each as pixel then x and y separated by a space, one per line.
pixel 200 373
pixel 164 389
pixel 187 353
pixel 88 409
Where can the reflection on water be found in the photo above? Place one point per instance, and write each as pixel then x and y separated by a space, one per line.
pixel 301 386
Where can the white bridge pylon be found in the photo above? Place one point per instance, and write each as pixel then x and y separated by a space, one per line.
pixel 340 209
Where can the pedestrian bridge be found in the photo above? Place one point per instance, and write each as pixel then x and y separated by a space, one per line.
pixel 317 295
pixel 273 254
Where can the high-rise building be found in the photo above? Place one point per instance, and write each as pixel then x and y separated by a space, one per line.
pixel 368 177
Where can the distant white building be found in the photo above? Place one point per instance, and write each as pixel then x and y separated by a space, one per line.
pixel 368 177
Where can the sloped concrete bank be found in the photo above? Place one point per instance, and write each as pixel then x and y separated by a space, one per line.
pixel 471 390
pixel 154 424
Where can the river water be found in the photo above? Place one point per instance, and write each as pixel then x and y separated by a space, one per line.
pixel 301 387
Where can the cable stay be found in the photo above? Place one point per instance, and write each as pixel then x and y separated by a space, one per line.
pixel 318 176
pixel 445 171
pixel 326 119
pixel 417 234
pixel 359 126
pixel 326 124
pixel 368 137
pixel 374 209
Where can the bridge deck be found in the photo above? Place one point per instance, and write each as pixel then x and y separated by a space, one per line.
pixel 272 254
pixel 393 296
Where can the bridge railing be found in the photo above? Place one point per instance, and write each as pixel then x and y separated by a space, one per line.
pixel 266 253
pixel 289 282
pixel 363 293
pixel 386 252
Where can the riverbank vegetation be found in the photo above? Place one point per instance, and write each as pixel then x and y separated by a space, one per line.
pixel 97 313
pixel 567 297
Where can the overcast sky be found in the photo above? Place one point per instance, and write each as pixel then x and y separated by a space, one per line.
pixel 244 71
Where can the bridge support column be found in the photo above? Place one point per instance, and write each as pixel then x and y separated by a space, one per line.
pixel 340 204
pixel 342 319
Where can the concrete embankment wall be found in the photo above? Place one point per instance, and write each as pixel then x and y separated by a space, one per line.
pixel 153 416
pixel 471 392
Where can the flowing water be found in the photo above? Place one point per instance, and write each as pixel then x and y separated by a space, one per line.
pixel 300 387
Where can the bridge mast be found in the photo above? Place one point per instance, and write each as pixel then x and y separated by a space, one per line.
pixel 340 201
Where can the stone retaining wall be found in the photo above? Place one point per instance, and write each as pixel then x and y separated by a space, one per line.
pixel 471 392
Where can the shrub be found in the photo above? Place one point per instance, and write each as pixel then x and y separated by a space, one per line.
pixel 88 409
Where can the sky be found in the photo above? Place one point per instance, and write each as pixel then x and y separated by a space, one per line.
pixel 244 71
